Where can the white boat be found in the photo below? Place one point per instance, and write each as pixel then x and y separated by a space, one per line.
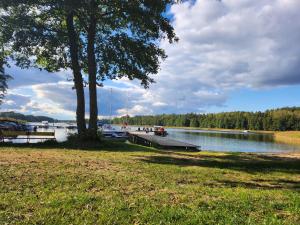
pixel 109 131
pixel 45 125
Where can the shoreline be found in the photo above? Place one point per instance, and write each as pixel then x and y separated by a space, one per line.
pixel 286 155
pixel 222 129
pixel 201 128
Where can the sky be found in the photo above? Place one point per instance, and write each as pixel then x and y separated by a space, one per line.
pixel 233 55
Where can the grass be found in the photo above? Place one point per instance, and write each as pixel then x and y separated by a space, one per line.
pixel 288 137
pixel 117 183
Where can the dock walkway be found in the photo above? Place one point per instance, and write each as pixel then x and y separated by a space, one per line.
pixel 26 135
pixel 151 140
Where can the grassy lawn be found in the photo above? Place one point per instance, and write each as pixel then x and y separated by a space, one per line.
pixel 118 183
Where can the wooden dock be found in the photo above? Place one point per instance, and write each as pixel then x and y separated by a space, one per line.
pixel 26 135
pixel 151 140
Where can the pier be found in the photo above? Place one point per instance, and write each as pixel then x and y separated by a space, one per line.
pixel 152 140
pixel 26 135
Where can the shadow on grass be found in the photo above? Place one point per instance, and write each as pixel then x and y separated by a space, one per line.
pixel 251 163
pixel 113 145
pixel 103 145
pixel 262 184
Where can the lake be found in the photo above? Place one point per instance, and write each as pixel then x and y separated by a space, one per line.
pixel 213 140
pixel 231 141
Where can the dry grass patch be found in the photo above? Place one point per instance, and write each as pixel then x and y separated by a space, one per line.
pixel 288 137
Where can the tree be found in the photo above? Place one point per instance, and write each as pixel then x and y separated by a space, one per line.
pixel 278 119
pixel 122 40
pixel 42 34
pixel 3 79
pixel 194 122
pixel 3 76
pixel 105 39
pixel 78 80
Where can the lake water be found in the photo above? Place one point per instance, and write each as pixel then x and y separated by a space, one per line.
pixel 231 141
pixel 212 140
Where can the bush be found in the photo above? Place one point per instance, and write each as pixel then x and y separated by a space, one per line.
pixel 87 137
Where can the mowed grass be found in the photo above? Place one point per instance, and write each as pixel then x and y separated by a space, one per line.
pixel 117 183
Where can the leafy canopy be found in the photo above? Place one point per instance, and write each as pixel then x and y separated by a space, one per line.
pixel 127 35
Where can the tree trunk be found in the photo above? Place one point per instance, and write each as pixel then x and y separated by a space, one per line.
pixel 92 70
pixel 78 81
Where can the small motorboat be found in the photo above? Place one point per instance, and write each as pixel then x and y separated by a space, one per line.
pixel 114 134
pixel 160 131
pixel 110 132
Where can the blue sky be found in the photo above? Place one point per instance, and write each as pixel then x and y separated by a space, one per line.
pixel 232 55
pixel 261 100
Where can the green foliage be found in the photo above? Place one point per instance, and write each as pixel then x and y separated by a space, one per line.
pixel 3 76
pixel 28 118
pixel 109 40
pixel 126 43
pixel 34 34
pixel 77 139
pixel 276 120
pixel 127 35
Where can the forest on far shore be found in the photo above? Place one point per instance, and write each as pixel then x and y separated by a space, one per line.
pixel 282 119
pixel 27 118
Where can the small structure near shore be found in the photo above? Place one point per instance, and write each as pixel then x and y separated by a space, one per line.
pixel 147 139
pixel 26 135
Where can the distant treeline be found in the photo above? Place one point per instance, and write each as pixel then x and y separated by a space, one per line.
pixel 278 119
pixel 28 118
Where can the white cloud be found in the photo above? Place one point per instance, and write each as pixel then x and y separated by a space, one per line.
pixel 28 77
pixel 230 44
pixel 15 102
pixel 227 45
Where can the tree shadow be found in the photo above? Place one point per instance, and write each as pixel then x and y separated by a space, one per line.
pixel 250 163
pixel 113 145
pixel 243 162
pixel 262 184
pixel 103 145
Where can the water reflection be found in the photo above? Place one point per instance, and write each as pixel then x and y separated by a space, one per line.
pixel 231 141
pixel 242 136
pixel 60 133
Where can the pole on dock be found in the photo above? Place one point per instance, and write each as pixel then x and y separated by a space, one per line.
pixel 110 107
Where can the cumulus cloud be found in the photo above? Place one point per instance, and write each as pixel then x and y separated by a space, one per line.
pixel 28 77
pixel 224 46
pixel 60 98
pixel 15 102
pixel 230 44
